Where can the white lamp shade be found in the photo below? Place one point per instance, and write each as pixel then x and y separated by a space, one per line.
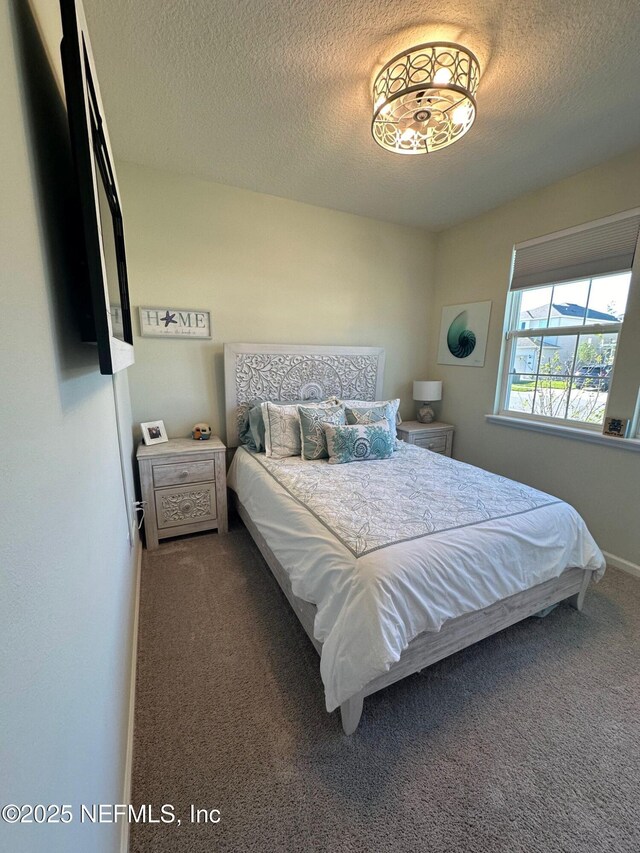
pixel 427 391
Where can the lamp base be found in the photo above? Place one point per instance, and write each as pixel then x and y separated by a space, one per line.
pixel 425 414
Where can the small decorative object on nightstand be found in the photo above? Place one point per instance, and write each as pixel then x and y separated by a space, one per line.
pixel 184 487
pixel 435 436
pixel 426 391
pixel 201 432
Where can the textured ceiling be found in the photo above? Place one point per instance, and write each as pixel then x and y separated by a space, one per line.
pixel 274 95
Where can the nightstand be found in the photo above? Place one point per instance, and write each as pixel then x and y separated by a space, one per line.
pixel 184 486
pixel 435 436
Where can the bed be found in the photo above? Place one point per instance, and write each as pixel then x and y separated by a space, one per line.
pixel 392 565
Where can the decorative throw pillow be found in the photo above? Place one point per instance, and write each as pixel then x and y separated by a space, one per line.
pixel 359 442
pixel 368 404
pixel 372 412
pixel 282 427
pixel 312 437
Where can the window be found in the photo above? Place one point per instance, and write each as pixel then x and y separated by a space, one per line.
pixel 565 312
pixel 561 348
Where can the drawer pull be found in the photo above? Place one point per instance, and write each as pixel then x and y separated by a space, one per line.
pixel 184 473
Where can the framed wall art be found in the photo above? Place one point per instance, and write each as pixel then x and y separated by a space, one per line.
pixel 463 334
pixel 174 323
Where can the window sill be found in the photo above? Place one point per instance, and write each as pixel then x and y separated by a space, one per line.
pixel 566 432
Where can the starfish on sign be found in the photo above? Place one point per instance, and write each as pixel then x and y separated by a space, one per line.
pixel 168 318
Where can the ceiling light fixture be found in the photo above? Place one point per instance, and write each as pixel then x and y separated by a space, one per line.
pixel 424 98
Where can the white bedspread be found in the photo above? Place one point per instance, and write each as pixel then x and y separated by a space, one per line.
pixel 391 548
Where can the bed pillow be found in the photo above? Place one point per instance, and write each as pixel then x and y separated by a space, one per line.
pixel 251 431
pixel 369 413
pixel 359 442
pixel 367 404
pixel 282 427
pixel 256 427
pixel 312 437
pixel 363 404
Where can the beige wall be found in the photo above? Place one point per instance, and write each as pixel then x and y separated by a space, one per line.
pixel 473 262
pixel 270 271
pixel 66 566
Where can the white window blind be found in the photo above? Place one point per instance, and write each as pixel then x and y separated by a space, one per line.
pixel 599 248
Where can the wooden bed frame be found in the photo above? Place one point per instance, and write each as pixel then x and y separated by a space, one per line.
pixel 308 365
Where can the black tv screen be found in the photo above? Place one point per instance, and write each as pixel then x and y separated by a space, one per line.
pixel 107 315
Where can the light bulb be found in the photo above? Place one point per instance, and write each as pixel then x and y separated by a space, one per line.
pixel 442 75
pixel 460 114
pixel 408 135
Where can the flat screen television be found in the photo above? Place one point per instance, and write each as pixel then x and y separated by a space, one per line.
pixel 105 314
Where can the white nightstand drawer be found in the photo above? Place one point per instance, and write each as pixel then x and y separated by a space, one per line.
pixel 438 444
pixel 185 505
pixel 183 472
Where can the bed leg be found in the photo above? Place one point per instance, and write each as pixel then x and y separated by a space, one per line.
pixel 577 600
pixel 351 711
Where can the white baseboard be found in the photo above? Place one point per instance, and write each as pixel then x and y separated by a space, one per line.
pixel 624 565
pixel 128 765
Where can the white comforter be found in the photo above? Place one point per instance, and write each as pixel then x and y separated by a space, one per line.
pixel 391 548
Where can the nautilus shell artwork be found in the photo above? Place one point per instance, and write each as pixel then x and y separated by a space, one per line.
pixel 463 334
pixel 461 341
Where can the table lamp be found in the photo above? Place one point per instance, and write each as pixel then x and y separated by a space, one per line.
pixel 426 391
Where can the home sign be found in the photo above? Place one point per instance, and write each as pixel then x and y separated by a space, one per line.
pixel 174 323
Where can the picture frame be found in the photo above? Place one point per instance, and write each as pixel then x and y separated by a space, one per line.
pixel 154 432
pixel 615 427
pixel 464 330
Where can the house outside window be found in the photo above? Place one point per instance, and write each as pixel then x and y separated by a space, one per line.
pixel 565 312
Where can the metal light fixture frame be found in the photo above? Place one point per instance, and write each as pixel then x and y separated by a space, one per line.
pixel 413 113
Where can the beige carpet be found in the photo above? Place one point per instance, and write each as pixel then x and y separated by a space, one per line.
pixel 529 741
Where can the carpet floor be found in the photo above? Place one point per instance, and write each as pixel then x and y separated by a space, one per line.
pixel 527 741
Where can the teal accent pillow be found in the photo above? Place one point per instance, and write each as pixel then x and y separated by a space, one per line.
pixel 359 442
pixel 372 414
pixel 312 437
pixel 245 436
pixel 251 431
pixel 256 427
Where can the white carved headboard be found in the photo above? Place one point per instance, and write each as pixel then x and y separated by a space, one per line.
pixel 290 372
